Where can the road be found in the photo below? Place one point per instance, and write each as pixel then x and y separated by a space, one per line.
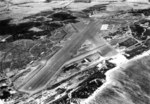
pixel 39 81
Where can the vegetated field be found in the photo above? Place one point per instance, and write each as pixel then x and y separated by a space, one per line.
pixel 26 45
pixel 129 42
pixel 16 55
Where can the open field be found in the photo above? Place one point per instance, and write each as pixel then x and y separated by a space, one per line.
pixel 45 75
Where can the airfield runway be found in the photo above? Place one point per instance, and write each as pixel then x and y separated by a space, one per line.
pixel 40 80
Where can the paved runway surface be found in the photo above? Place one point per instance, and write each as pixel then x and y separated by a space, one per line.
pixel 47 73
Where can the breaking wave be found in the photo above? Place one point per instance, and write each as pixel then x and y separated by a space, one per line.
pixel 128 84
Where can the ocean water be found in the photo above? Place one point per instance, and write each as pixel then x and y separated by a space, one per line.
pixel 128 84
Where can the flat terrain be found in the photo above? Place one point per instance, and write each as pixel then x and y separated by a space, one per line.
pixel 57 52
pixel 44 76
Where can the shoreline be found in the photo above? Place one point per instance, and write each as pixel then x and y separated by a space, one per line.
pixel 111 75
